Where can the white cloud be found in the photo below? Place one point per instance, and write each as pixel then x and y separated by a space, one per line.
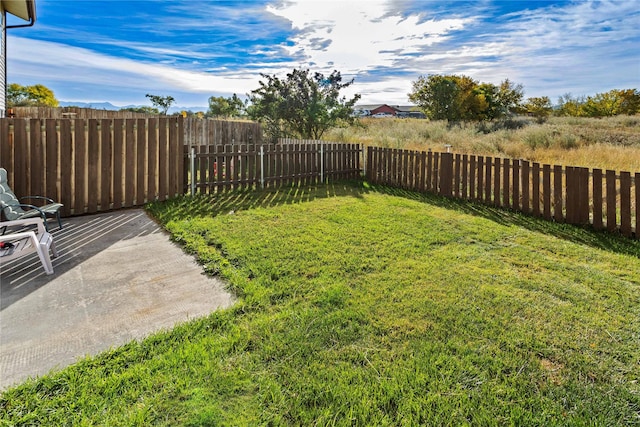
pixel 355 36
pixel 80 66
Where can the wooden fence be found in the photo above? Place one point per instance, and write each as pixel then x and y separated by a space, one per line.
pixel 573 195
pixel 216 168
pixel 94 165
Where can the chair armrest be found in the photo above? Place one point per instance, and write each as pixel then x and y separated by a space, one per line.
pixel 18 236
pixel 24 205
pixel 38 197
pixel 24 222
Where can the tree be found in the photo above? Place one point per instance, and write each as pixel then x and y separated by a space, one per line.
pixel 612 103
pixel 630 101
pixel 539 107
pixel 455 98
pixel 162 103
pixel 220 106
pixel 437 96
pixel 570 106
pixel 301 105
pixel 30 96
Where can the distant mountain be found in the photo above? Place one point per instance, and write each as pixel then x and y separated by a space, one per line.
pixel 110 106
pixel 94 105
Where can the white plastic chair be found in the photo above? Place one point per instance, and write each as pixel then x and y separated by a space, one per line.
pixel 26 241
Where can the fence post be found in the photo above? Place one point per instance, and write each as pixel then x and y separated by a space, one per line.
pixel 262 166
pixel 192 166
pixel 321 163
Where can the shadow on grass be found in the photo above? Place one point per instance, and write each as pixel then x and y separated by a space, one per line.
pixel 240 200
pixel 222 203
pixel 576 234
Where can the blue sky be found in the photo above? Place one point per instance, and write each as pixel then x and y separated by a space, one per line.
pixel 118 51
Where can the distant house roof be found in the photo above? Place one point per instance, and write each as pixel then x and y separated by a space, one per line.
pixel 24 9
pixel 395 107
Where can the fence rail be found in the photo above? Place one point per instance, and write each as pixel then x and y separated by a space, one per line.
pixel 217 168
pixel 573 195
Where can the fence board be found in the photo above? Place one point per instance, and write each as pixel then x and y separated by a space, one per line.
pixel 118 162
pixel 625 203
pixel 480 174
pixel 36 155
pixel 506 183
pixel 129 171
pixel 163 158
pixel 52 168
pixel 464 188
pixel 558 213
pixel 515 187
pixel 597 199
pixel 93 157
pixel 65 175
pixel 583 202
pixel 526 187
pixel 152 159
pixel 535 188
pixel 488 170
pixel 497 167
pixel 611 195
pixel 80 166
pixel 21 155
pixel 472 177
pixel 105 164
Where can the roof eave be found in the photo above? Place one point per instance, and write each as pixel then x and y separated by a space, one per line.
pixel 23 9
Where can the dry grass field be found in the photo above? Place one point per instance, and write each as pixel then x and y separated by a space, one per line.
pixel 608 143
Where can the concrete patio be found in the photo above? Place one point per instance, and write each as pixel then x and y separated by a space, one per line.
pixel 118 277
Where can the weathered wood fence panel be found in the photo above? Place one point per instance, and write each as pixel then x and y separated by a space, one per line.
pixel 93 165
pixel 572 195
pixel 219 168
pixel 221 132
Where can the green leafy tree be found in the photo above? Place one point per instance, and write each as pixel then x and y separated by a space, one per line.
pixel 570 106
pixel 30 96
pixel 630 101
pixel 612 103
pixel 510 96
pixel 162 103
pixel 437 96
pixel 220 106
pixel 539 107
pixel 455 98
pixel 302 105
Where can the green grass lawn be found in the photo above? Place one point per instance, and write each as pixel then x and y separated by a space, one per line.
pixel 372 306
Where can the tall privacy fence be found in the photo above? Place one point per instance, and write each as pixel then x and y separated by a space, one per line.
pixel 216 168
pixel 93 165
pixel 96 164
pixel 565 194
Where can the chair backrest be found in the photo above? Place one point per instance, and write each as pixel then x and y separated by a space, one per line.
pixel 8 200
